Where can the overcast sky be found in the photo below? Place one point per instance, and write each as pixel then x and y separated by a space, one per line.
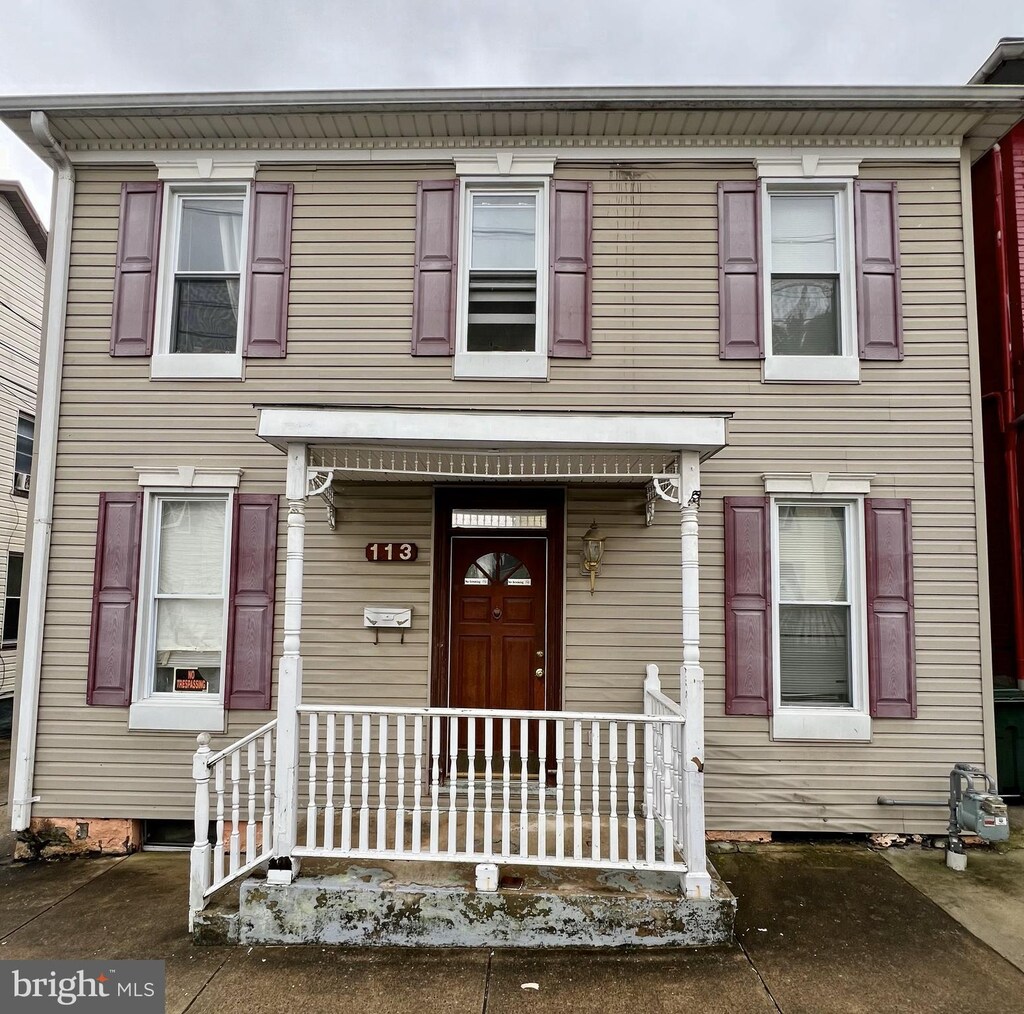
pixel 92 46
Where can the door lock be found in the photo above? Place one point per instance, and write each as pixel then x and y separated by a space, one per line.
pixel 539 673
pixel 540 654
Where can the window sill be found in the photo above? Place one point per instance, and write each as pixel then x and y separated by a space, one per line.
pixel 8 645
pixel 155 715
pixel 843 724
pixel 811 369
pixel 501 366
pixel 170 366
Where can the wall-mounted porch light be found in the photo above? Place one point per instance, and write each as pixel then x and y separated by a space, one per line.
pixel 591 554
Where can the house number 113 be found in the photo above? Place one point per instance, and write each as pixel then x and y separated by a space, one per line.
pixel 383 552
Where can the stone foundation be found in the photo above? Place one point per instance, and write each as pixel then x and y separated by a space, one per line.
pixel 64 837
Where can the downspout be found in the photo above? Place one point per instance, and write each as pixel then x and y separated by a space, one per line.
pixel 41 509
pixel 1008 412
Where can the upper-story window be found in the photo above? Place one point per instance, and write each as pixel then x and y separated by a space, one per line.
pixel 502 298
pixel 810 316
pixel 23 454
pixel 199 326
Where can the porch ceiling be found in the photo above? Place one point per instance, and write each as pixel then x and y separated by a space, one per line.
pixel 417 445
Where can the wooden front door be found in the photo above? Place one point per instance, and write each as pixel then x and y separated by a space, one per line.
pixel 498 622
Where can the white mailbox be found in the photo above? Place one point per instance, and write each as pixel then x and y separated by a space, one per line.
pixel 386 616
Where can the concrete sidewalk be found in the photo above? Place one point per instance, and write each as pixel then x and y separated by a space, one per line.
pixel 820 929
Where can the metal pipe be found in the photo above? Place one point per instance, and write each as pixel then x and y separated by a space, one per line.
pixel 41 502
pixel 887 801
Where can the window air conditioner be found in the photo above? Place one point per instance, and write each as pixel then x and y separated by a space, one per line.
pixel 22 481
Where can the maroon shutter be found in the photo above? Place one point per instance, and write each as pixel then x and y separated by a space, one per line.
pixel 570 280
pixel 741 330
pixel 748 614
pixel 434 288
pixel 251 605
pixel 890 595
pixel 135 278
pixel 115 593
pixel 876 225
pixel 270 244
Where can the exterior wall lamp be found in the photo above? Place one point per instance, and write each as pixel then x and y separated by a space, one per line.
pixel 592 553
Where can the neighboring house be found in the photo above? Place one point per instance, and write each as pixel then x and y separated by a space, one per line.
pixel 22 270
pixel 998 182
pixel 377 405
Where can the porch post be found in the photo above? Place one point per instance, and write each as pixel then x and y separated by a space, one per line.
pixel 285 867
pixel 697 882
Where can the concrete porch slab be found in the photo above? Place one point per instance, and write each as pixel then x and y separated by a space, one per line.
pixel 436 904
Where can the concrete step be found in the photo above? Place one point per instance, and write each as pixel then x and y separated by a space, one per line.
pixel 436 904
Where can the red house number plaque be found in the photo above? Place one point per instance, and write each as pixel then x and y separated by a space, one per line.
pixel 391 552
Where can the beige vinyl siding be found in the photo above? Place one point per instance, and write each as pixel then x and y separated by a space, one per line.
pixel 655 318
pixel 21 308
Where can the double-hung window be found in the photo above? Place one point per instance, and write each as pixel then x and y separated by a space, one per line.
pixel 23 453
pixel 502 308
pixel 201 295
pixel 12 600
pixel 820 641
pixel 810 317
pixel 183 620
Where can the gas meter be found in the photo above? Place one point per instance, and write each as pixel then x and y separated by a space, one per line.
pixel 981 812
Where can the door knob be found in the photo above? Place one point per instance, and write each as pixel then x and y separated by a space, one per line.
pixel 539 673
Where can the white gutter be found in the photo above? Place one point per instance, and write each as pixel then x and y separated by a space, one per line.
pixel 41 508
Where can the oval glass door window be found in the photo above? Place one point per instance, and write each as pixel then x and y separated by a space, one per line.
pixel 498 568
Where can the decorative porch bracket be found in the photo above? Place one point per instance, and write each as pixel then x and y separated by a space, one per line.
pixel 320 482
pixel 661 487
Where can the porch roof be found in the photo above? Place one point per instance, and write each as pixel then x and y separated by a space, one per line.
pixel 417 444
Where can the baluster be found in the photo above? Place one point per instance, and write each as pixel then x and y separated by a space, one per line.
pixel 250 823
pixel 382 785
pixel 470 785
pixel 453 770
pixel 506 786
pixel 329 804
pixel 488 842
pixel 649 792
pixel 311 802
pixel 236 776
pixel 670 805
pixel 559 789
pixel 577 790
pixel 417 784
pixel 346 806
pixel 595 790
pixel 218 848
pixel 268 793
pixel 435 782
pixel 400 811
pixel 678 776
pixel 364 806
pixel 524 755
pixel 631 791
pixel 613 791
pixel 542 781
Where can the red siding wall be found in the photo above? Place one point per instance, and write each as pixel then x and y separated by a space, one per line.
pixel 999 250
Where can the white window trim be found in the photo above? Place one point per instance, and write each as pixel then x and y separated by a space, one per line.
pixel 168 712
pixel 502 365
pixel 167 365
pixel 844 368
pixel 848 724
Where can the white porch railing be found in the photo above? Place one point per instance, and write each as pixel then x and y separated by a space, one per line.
pixel 243 769
pixel 543 788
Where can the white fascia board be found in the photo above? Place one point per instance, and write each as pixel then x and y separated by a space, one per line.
pixel 281 426
pixel 701 150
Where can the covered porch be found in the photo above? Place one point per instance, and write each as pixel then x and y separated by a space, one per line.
pixel 525 784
